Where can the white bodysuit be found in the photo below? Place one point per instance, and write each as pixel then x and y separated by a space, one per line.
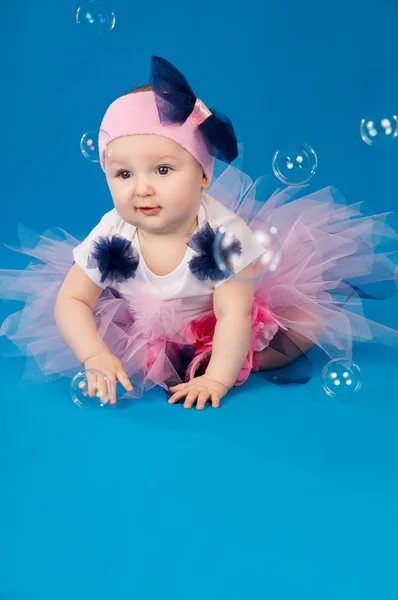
pixel 180 283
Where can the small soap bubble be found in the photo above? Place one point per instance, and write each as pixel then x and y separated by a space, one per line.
pixel 379 130
pixel 341 378
pixel 90 141
pixel 227 255
pixel 90 389
pixel 95 17
pixel 295 164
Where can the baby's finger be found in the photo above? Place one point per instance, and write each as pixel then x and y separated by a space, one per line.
pixel 175 397
pixel 102 388
pixel 215 400
pixel 202 399
pixel 124 380
pixel 112 387
pixel 92 383
pixel 190 399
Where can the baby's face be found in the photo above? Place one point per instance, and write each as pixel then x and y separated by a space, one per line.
pixel 154 171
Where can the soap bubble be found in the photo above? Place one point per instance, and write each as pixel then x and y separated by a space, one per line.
pixel 341 378
pixel 89 144
pixel 227 256
pixel 379 130
pixel 90 389
pixel 295 164
pixel 95 17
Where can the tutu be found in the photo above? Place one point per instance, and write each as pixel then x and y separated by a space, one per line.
pixel 333 258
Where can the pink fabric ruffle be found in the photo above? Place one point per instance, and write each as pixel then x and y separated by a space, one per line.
pixel 200 333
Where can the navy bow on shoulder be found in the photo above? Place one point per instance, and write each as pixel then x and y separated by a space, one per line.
pixel 115 257
pixel 204 266
pixel 175 101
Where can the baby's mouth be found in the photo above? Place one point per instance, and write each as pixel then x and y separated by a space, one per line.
pixel 149 210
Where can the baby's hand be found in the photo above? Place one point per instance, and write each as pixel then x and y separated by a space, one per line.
pixel 112 367
pixel 202 388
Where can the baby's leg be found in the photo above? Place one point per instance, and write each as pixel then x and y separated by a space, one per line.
pixel 272 359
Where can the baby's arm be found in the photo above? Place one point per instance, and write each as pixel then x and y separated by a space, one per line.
pixel 74 314
pixel 75 320
pixel 233 302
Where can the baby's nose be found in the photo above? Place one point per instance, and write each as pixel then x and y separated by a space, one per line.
pixel 143 186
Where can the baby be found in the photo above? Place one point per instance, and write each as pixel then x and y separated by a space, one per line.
pixel 143 299
pixel 157 187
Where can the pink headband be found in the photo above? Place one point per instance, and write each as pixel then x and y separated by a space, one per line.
pixel 171 110
pixel 137 113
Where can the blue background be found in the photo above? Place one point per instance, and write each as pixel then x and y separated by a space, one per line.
pixel 281 493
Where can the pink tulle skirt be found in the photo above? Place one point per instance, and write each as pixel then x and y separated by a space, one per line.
pixel 333 259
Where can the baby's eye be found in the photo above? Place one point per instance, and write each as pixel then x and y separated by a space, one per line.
pixel 124 174
pixel 164 167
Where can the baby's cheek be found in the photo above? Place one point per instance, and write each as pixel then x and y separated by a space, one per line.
pixel 124 209
pixel 181 207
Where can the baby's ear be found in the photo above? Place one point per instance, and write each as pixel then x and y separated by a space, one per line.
pixel 205 183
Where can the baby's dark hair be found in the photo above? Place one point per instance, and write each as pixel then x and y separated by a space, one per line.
pixel 143 88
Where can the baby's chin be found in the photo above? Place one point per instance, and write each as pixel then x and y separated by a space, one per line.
pixel 149 223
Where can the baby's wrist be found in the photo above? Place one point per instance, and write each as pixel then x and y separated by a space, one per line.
pixel 217 380
pixel 88 358
pixel 96 353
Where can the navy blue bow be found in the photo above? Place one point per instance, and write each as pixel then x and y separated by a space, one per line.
pixel 115 257
pixel 204 265
pixel 175 101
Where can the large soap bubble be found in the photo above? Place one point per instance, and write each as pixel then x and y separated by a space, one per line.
pixel 227 257
pixel 90 389
pixel 295 164
pixel 379 130
pixel 89 144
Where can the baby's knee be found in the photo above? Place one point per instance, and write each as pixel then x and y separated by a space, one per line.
pixel 304 329
pixel 307 318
